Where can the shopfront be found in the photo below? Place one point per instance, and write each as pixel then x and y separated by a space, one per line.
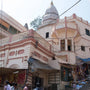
pixel 47 77
pixel 66 73
pixel 82 71
pixel 18 76
pixel 82 68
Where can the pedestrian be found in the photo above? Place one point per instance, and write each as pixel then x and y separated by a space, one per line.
pixel 74 86
pixel 38 87
pixel 8 85
pixel 25 87
pixel 15 86
pixel 12 86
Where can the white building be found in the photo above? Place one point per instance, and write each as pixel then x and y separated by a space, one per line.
pixel 53 51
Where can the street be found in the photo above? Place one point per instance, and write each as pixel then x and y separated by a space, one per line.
pixel 86 87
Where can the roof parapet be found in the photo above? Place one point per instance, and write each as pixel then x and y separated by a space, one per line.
pixel 74 16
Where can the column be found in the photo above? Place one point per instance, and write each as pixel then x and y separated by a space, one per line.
pixel 60 44
pixel 66 44
pixel 72 45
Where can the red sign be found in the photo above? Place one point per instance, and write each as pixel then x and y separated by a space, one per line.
pixel 21 77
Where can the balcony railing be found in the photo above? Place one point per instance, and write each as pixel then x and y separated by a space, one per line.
pixel 24 35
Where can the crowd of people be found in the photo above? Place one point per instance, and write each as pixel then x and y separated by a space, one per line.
pixel 13 86
pixel 79 84
pixel 10 86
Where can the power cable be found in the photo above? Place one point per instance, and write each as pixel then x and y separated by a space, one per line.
pixel 70 7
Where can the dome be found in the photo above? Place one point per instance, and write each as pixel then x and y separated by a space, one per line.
pixel 51 14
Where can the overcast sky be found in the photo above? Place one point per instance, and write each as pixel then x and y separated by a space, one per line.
pixel 24 11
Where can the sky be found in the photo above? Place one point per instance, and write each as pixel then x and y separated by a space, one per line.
pixel 25 11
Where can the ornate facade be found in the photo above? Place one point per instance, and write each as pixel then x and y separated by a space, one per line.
pixel 48 56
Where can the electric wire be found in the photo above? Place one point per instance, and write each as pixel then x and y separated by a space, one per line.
pixel 70 7
pixel 38 37
pixel 61 15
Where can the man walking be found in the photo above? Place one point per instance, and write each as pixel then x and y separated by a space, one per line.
pixel 8 85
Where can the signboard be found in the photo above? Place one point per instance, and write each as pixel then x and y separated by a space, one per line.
pixel 21 77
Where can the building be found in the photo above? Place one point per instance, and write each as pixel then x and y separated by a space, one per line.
pixel 9 25
pixel 15 52
pixel 49 56
pixel 70 38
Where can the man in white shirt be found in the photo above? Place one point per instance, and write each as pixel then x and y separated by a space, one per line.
pixel 8 86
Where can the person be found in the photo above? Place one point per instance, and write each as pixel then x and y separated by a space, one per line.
pixel 15 86
pixel 74 86
pixel 8 85
pixel 38 87
pixel 25 87
pixel 12 86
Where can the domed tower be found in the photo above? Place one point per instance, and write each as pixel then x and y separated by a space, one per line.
pixel 48 23
pixel 51 15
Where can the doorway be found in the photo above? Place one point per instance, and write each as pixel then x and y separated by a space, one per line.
pixel 37 80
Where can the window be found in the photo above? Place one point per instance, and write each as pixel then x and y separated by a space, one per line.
pixel 12 30
pixel 83 48
pixel 62 45
pixel 69 45
pixel 47 34
pixel 66 74
pixel 87 32
pixel 2 26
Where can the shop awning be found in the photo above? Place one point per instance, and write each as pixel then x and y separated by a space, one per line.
pixel 84 60
pixel 54 64
pixel 36 64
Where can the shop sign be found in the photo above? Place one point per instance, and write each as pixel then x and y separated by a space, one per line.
pixel 21 78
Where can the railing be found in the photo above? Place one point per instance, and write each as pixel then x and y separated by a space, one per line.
pixel 19 37
pixel 24 35
pixel 71 25
pixel 62 25
pixel 13 38
pixel 2 30
pixel 74 16
pixel 71 17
